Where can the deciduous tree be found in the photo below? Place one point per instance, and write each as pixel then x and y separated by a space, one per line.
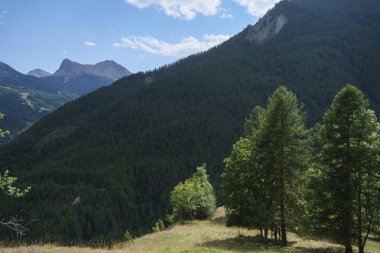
pixel 194 198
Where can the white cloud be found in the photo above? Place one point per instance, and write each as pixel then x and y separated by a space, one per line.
pixel 64 51
pixel 257 7
pixel 89 43
pixel 186 9
pixel 226 16
pixel 188 45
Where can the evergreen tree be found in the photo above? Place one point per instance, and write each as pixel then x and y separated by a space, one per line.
pixel 349 160
pixel 261 175
pixel 283 151
pixel 245 193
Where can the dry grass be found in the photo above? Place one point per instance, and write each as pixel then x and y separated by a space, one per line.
pixel 200 237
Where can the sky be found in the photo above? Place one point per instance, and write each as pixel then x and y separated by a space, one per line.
pixel 138 34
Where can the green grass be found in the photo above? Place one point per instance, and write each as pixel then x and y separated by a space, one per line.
pixel 201 237
pixel 373 246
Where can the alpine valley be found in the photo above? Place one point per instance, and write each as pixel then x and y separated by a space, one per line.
pixel 26 98
pixel 121 149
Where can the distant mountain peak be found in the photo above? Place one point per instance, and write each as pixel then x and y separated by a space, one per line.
pixel 107 61
pixel 108 69
pixel 38 73
pixel 67 61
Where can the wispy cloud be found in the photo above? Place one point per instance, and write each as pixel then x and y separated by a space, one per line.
pixel 226 16
pixel 89 43
pixel 2 14
pixel 186 9
pixel 257 7
pixel 188 45
pixel 225 13
pixel 64 51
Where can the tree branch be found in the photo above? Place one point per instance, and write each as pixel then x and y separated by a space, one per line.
pixel 15 224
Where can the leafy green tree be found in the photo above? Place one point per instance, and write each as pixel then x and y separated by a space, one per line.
pixel 195 198
pixel 350 174
pixel 7 187
pixel 2 132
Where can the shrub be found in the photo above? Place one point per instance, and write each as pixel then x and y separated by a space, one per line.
pixel 159 226
pixel 128 238
pixel 195 198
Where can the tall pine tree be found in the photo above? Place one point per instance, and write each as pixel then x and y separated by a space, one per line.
pixel 260 175
pixel 283 150
pixel 350 173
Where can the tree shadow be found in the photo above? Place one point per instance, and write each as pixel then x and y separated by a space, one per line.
pixel 219 220
pixel 254 244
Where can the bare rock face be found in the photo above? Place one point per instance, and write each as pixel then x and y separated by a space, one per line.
pixel 38 73
pixel 268 27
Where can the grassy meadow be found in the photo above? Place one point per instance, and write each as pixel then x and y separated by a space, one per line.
pixel 209 236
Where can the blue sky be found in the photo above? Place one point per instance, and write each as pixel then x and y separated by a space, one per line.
pixel 139 34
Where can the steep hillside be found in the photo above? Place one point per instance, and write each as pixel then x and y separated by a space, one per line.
pixel 122 148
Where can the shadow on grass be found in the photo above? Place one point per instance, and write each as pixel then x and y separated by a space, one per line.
pixel 254 244
pixel 219 220
pixel 375 239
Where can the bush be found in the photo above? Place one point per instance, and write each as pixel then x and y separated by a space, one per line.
pixel 195 198
pixel 159 226
pixel 128 238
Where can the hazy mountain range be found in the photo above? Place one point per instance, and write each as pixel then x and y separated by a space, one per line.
pixel 26 98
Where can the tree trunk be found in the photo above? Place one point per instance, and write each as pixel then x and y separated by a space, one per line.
pixel 360 225
pixel 284 240
pixel 348 249
pixel 347 231
pixel 275 236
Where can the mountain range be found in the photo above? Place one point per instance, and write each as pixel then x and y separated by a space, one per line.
pixel 26 98
pixel 123 148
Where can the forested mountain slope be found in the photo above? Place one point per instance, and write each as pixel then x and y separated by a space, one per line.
pixel 122 148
